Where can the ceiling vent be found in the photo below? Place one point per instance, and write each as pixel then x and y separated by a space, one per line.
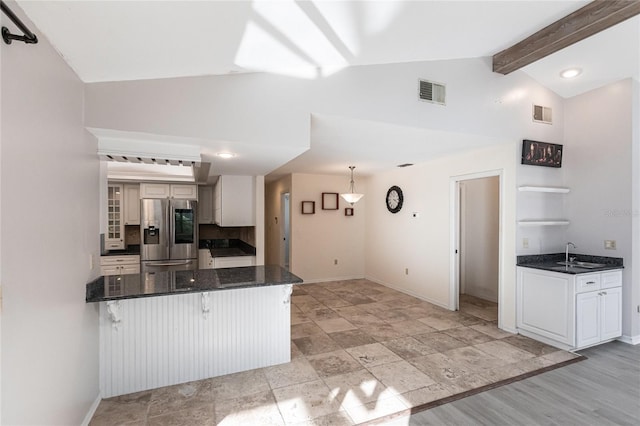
pixel 542 114
pixel 432 92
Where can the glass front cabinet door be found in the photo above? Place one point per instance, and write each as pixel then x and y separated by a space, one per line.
pixel 114 238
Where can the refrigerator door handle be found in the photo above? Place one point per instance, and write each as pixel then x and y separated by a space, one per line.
pixel 188 262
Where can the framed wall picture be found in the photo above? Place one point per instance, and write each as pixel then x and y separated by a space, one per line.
pixel 329 201
pixel 545 154
pixel 348 211
pixel 308 207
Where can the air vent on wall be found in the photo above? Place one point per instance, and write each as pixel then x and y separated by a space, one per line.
pixel 432 92
pixel 542 114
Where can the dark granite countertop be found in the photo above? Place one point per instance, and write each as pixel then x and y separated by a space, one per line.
pixel 227 247
pixel 549 262
pixel 117 287
pixel 130 250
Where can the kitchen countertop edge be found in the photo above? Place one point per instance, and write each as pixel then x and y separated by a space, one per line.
pixel 273 276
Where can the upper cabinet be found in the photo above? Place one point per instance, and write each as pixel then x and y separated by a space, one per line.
pixel 234 201
pixel 114 238
pixel 166 190
pixel 205 204
pixel 132 204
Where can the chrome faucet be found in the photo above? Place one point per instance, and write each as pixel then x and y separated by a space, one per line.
pixel 566 253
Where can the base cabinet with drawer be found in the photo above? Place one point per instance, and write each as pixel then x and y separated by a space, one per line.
pixel 569 311
pixel 119 265
pixel 206 261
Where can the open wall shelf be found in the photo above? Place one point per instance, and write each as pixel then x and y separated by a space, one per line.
pixel 556 189
pixel 543 222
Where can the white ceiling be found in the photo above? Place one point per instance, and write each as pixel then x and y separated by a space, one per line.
pixel 131 40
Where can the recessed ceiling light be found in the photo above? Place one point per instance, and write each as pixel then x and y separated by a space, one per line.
pixel 226 155
pixel 571 73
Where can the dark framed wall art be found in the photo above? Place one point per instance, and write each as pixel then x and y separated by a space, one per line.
pixel 545 154
pixel 308 207
pixel 348 211
pixel 329 201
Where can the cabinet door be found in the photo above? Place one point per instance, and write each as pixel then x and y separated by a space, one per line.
pixel 611 313
pixel 132 204
pixel 184 192
pixel 114 237
pixel 205 204
pixel 237 201
pixel 587 318
pixel 154 190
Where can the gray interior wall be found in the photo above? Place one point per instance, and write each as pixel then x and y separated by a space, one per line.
pixel 599 169
pixel 49 230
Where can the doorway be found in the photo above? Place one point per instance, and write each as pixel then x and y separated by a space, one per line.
pixel 477 251
pixel 285 229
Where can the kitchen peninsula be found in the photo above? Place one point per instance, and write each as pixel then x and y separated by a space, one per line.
pixel 164 328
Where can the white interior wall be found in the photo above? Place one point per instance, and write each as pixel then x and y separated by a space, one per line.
pixel 599 166
pixel 479 252
pixel 50 220
pixel 317 240
pixel 423 245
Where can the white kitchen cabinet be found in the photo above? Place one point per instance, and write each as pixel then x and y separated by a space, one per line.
pixel 114 237
pixel 132 204
pixel 234 201
pixel 168 190
pixel 184 192
pixel 119 265
pixel 205 204
pixel 546 304
pixel 233 261
pixel 569 311
pixel 205 261
pixel 598 316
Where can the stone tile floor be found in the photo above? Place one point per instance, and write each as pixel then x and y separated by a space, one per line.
pixel 360 351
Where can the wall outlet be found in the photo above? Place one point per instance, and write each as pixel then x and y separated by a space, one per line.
pixel 335 261
pixel 610 244
pixel 525 243
pixel 406 271
pixel 91 261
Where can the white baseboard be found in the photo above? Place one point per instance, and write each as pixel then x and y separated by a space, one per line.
pixel 631 340
pixel 326 280
pixel 410 293
pixel 92 410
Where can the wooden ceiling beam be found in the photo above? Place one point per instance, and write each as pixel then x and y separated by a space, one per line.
pixel 584 22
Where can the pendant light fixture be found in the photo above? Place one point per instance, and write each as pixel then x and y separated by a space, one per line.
pixel 351 197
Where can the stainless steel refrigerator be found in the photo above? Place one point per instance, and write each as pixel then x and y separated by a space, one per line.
pixel 169 235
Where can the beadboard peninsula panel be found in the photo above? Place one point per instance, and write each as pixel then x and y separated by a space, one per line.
pixel 152 342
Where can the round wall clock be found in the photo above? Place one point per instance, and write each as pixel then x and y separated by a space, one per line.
pixel 394 199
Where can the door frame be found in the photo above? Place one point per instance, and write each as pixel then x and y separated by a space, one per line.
pixel 455 217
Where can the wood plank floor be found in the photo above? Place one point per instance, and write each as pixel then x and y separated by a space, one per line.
pixel 602 390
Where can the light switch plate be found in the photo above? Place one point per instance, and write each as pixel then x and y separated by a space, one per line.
pixel 525 243
pixel 610 244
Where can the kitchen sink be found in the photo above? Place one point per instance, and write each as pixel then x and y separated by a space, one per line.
pixel 585 265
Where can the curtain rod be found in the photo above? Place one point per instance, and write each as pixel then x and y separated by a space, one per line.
pixel 28 37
